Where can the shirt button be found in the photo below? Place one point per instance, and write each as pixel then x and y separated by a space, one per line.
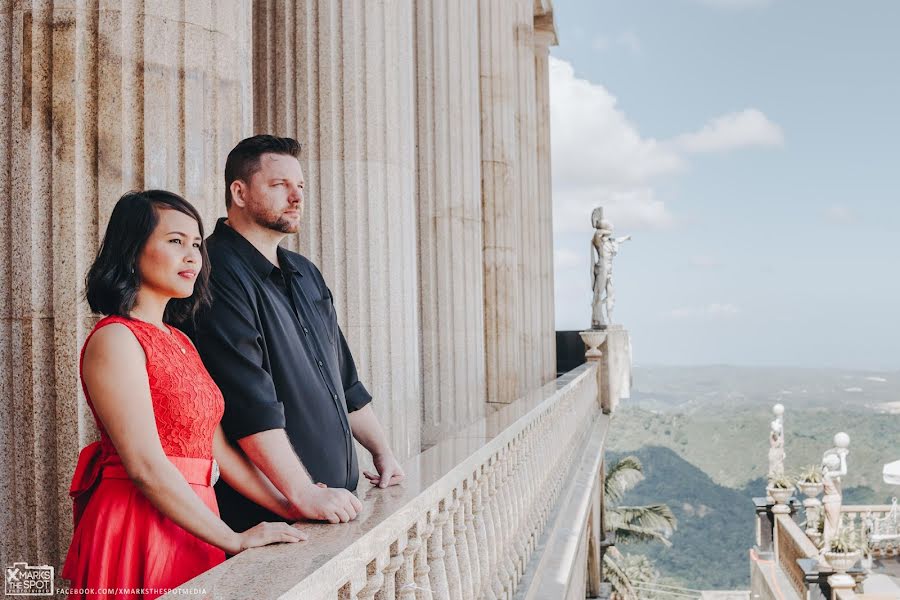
pixel 320 363
pixel 334 396
pixel 306 331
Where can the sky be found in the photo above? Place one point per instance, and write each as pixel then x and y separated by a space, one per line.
pixel 752 150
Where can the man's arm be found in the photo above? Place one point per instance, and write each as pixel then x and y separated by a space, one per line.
pixel 368 432
pixel 363 422
pixel 272 453
pixel 229 343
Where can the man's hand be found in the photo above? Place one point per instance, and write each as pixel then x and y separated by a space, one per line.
pixel 321 503
pixel 389 471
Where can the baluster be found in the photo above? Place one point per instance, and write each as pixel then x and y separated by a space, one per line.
pixel 491 528
pixel 352 590
pixel 436 556
pixel 451 560
pixel 388 590
pixel 466 550
pixel 482 558
pixel 375 578
pixel 533 491
pixel 520 494
pixel 424 590
pixel 504 506
pixel 406 578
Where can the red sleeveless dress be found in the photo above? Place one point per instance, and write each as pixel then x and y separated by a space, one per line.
pixel 123 547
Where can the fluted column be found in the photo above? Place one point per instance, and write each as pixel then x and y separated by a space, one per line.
pixel 338 75
pixel 97 98
pixel 544 37
pixel 529 255
pixel 502 216
pixel 448 175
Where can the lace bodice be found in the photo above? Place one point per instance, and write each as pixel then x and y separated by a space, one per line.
pixel 187 403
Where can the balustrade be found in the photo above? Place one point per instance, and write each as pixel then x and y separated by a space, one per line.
pixel 464 524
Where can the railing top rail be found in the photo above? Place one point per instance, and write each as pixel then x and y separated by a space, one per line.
pixel 864 508
pixel 294 570
pixel 797 536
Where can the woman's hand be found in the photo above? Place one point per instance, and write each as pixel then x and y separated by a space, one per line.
pixel 264 534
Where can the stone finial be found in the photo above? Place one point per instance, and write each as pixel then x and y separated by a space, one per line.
pixel 593 339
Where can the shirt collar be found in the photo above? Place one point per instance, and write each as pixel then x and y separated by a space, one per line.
pixel 248 251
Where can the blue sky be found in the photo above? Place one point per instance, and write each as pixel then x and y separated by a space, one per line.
pixel 752 149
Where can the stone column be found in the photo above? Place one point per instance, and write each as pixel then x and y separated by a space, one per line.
pixel 500 189
pixel 616 367
pixel 98 98
pixel 544 37
pixel 338 75
pixel 448 175
pixel 529 256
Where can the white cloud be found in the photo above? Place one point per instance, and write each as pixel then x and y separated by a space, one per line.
pixel 710 311
pixel 877 379
pixel 749 127
pixel 854 390
pixel 840 215
pixel 600 158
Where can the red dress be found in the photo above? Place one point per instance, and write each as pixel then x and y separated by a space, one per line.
pixel 123 547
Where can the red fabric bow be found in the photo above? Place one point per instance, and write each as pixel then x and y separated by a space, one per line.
pixel 86 476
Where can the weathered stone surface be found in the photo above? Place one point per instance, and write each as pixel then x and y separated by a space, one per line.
pixel 448 173
pixel 339 77
pixel 501 194
pixel 97 99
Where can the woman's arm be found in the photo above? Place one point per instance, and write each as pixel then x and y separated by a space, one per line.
pixel 242 475
pixel 115 374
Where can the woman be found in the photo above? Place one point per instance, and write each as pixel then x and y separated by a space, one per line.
pixel 145 511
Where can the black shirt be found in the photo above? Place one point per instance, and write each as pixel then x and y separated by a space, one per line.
pixel 271 342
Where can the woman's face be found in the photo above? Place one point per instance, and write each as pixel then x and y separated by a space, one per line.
pixel 171 259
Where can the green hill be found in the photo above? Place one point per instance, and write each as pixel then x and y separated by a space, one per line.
pixel 715 523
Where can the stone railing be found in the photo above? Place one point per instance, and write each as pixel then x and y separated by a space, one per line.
pixel 792 544
pixel 861 519
pixel 464 524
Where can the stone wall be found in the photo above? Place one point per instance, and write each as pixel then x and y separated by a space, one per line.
pixel 98 98
pixel 416 116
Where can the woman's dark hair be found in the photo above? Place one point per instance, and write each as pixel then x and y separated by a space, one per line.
pixel 113 279
pixel 243 160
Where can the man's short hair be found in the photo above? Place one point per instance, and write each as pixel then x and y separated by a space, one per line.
pixel 243 160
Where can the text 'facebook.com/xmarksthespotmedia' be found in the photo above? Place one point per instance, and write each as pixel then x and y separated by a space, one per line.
pixel 23 579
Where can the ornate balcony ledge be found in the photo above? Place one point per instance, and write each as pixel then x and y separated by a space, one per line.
pixel 464 524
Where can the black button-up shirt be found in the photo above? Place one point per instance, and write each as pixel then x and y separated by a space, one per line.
pixel 271 342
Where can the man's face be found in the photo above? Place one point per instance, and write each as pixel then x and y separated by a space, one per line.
pixel 275 193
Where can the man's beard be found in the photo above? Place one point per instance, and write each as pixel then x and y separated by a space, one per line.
pixel 276 223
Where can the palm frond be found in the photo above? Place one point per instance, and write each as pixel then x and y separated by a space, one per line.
pixel 632 535
pixel 652 516
pixel 621 477
pixel 614 574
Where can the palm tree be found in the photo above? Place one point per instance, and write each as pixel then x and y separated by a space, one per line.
pixel 652 523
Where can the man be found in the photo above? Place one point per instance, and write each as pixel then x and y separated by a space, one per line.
pixel 271 342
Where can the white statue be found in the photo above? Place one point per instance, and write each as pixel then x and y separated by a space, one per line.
pixel 834 466
pixel 776 449
pixel 776 442
pixel 604 248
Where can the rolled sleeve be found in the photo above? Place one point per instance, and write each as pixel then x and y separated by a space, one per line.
pixel 355 393
pixel 231 347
